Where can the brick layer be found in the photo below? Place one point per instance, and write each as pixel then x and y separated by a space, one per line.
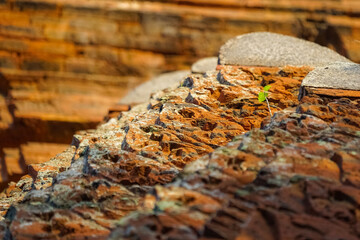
pixel 61 61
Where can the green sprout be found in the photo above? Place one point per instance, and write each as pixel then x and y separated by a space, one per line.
pixel 263 96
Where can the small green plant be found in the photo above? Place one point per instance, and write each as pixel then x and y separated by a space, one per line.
pixel 263 96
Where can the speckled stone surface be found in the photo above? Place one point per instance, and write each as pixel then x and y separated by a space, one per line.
pixel 271 49
pixel 203 160
pixel 339 75
pixel 142 93
pixel 107 172
pixel 205 64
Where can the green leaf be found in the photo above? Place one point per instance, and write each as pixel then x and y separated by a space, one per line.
pixel 266 88
pixel 266 94
pixel 261 97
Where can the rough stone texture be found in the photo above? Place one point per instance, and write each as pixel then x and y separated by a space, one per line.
pixel 49 107
pixel 205 64
pixel 16 160
pixel 296 178
pixel 328 92
pixel 338 75
pixel 271 49
pixel 113 167
pixel 49 48
pixel 142 93
pixel 41 176
pixel 303 185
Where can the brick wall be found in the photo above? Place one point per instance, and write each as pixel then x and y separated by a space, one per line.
pixel 64 63
pixel 141 38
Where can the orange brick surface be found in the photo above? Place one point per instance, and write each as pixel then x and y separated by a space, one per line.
pixel 64 63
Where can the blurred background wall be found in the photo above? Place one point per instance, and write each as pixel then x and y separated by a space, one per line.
pixel 63 63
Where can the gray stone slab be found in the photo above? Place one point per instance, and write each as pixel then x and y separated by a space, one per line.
pixel 142 92
pixel 275 50
pixel 338 75
pixel 205 64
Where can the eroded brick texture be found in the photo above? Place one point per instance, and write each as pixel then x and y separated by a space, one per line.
pixel 64 63
pixel 295 177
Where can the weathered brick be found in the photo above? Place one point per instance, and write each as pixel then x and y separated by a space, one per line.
pixel 33 64
pixel 156 23
pixel 13 17
pixel 84 10
pixel 82 37
pixel 13 45
pixel 244 25
pixel 200 22
pixel 118 40
pixel 91 24
pixel 126 61
pixel 123 15
pixel 7 62
pixel 20 31
pixel 25 5
pixel 75 36
pixel 131 28
pixel 99 52
pixel 52 48
pixel 53 33
pixel 169 45
pixel 142 60
pixel 190 45
pixel 91 66
pixel 46 20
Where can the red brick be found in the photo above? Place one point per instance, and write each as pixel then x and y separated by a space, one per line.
pixel 20 31
pixel 37 64
pixel 91 66
pixel 7 60
pixel 333 92
pixel 93 24
pixel 13 45
pixel 52 48
pixel 27 5
pixel 14 17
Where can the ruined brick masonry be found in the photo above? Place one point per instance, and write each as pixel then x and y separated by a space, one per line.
pixel 295 178
pixel 64 63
